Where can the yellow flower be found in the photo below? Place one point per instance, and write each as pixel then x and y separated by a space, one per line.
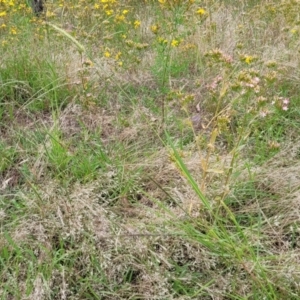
pixel 107 54
pixel 248 59
pixel 109 12
pixel 50 14
pixel 137 24
pixel 174 43
pixel 201 11
pixel 118 55
pixel 161 40
pixel 22 6
pixel 2 13
pixel 96 6
pixel 125 12
pixel 154 28
pixel 13 31
pixel 120 18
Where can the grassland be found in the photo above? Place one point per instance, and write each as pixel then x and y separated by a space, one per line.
pixel 150 150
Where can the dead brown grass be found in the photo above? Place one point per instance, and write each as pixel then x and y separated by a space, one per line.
pixel 134 232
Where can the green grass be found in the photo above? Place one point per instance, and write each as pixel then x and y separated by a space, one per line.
pixel 149 151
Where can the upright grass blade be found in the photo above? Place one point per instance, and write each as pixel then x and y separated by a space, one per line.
pixel 79 46
pixel 188 175
pixel 12 243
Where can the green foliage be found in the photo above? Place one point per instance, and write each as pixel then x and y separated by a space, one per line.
pixel 32 83
pixel 8 156
pixel 141 147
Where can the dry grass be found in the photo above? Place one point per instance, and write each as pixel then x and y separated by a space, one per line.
pixel 105 156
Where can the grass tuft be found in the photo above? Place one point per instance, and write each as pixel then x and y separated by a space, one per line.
pixel 149 150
